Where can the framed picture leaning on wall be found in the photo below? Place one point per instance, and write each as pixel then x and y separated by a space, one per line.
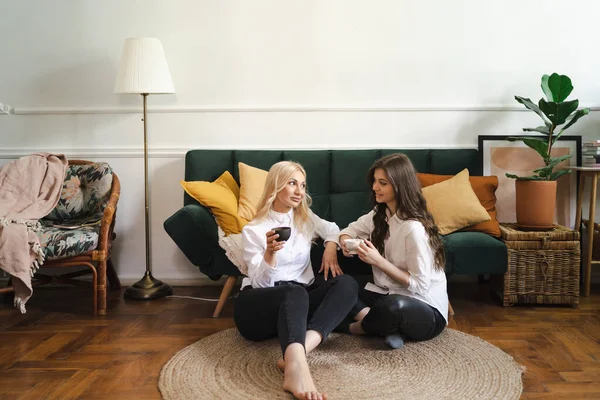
pixel 499 156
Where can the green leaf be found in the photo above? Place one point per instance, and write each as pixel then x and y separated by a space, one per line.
pixel 544 172
pixel 546 88
pixel 541 139
pixel 525 178
pixel 573 119
pixel 560 86
pixel 540 129
pixel 566 109
pixel 513 176
pixel 530 105
pixel 553 161
pixel 558 112
pixel 539 145
pixel 559 173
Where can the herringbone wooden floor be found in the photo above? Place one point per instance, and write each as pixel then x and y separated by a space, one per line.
pixel 58 351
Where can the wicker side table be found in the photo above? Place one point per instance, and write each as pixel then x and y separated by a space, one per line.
pixel 543 267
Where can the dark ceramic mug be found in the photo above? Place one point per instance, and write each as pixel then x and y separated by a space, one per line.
pixel 284 233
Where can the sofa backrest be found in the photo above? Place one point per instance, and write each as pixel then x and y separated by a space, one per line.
pixel 336 178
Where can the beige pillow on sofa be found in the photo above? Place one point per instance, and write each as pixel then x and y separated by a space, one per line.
pixel 453 204
pixel 252 184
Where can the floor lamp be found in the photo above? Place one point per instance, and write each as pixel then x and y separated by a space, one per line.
pixel 144 70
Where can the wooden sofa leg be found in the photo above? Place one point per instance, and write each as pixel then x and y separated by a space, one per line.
pixel 224 295
pixel 450 309
pixel 101 288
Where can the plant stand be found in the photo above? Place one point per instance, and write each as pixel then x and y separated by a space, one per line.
pixel 594 175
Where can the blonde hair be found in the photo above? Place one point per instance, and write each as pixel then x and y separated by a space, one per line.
pixel 278 177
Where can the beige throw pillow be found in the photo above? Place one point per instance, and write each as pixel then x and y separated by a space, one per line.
pixel 252 184
pixel 453 204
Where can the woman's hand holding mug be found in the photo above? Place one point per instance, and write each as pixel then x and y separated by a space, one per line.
pixel 342 240
pixel 273 246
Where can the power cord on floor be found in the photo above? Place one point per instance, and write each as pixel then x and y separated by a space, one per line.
pixel 199 298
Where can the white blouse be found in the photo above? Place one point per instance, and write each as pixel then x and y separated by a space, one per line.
pixel 293 260
pixel 407 248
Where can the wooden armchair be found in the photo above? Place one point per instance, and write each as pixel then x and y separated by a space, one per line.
pixel 79 231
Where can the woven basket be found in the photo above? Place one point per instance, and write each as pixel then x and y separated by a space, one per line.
pixel 543 267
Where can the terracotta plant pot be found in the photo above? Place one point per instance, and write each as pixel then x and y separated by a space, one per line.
pixel 535 203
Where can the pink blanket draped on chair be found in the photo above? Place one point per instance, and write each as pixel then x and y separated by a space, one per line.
pixel 30 188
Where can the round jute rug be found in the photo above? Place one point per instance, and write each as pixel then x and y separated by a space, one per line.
pixel 454 365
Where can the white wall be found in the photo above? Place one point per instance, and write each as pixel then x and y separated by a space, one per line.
pixel 278 74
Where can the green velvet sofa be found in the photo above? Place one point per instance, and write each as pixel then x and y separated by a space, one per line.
pixel 337 184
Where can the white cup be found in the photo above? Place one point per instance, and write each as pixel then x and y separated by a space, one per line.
pixel 352 245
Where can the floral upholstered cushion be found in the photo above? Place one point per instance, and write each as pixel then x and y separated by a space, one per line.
pixel 68 238
pixel 85 192
pixel 73 227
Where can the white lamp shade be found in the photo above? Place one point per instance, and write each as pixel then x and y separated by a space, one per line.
pixel 143 68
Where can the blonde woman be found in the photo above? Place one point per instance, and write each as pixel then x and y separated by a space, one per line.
pixel 279 297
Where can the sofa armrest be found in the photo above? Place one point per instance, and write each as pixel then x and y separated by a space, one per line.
pixel 194 229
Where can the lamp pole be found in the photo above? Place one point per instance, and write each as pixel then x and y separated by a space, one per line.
pixel 148 287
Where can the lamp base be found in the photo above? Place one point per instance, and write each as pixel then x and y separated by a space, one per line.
pixel 148 288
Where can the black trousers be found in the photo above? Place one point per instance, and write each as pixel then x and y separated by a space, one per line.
pixel 289 309
pixel 397 314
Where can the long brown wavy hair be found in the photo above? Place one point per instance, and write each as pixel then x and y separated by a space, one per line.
pixel 410 204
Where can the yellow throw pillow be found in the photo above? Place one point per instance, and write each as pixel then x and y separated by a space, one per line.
pixel 227 180
pixel 453 204
pixel 252 184
pixel 220 199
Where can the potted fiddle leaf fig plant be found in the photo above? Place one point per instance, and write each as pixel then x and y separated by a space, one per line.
pixel 536 194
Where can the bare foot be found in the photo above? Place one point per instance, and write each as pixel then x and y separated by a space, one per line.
pixel 313 338
pixel 356 328
pixel 298 381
